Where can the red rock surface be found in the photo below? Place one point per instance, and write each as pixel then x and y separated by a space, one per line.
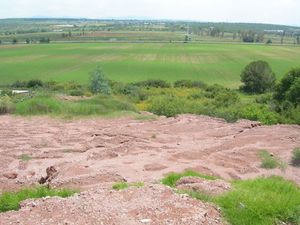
pixel 94 152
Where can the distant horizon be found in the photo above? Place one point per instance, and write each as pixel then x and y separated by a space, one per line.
pixel 149 19
pixel 284 12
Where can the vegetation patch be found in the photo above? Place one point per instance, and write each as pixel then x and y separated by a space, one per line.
pixel 171 178
pixel 124 185
pixel 6 105
pixel 296 157
pixel 262 201
pixel 270 161
pixel 50 105
pixel 25 157
pixel 11 200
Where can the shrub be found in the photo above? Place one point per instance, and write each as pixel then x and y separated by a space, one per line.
pixel 167 106
pixel 98 82
pixel 183 84
pixel 130 90
pixel 72 85
pixel 189 84
pixel 19 84
pixel 258 77
pixel 11 200
pixel 54 86
pixel 296 157
pixel 34 84
pixel 153 83
pixel 6 105
pixel 76 92
pixel 6 92
pixel 260 113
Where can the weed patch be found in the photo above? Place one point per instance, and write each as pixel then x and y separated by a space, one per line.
pixel 11 200
pixel 171 179
pixel 296 157
pixel 262 201
pixel 270 162
pixel 25 157
pixel 124 185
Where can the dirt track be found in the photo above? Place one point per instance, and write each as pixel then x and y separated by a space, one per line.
pixel 94 153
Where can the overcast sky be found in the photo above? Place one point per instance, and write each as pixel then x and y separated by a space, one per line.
pixel 259 11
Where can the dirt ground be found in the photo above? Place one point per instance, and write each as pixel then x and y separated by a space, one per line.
pixel 91 154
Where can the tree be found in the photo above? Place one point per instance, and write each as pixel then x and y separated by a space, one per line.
pixel 98 82
pixel 0 42
pixel 258 77
pixel 27 41
pixel 289 88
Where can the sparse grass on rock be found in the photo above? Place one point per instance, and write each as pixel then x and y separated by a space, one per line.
pixel 124 185
pixel 25 157
pixel 171 179
pixel 269 161
pixel 260 201
pixel 11 200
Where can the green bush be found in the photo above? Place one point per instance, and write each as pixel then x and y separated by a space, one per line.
pixel 76 92
pixel 72 85
pixel 260 113
pixel 153 83
pixel 189 84
pixel 134 92
pixel 54 86
pixel 19 84
pixel 6 105
pixel 296 157
pixel 167 106
pixel 35 84
pixel 11 200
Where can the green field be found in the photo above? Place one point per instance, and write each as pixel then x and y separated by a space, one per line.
pixel 127 62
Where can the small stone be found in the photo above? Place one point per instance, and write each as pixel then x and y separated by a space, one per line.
pixel 145 220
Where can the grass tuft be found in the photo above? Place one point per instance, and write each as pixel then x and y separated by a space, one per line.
pixel 124 185
pixel 11 200
pixel 262 201
pixel 270 162
pixel 25 157
pixel 296 157
pixel 171 178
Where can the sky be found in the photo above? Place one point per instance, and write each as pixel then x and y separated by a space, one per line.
pixel 257 11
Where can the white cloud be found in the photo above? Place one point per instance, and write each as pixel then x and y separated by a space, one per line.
pixel 261 11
